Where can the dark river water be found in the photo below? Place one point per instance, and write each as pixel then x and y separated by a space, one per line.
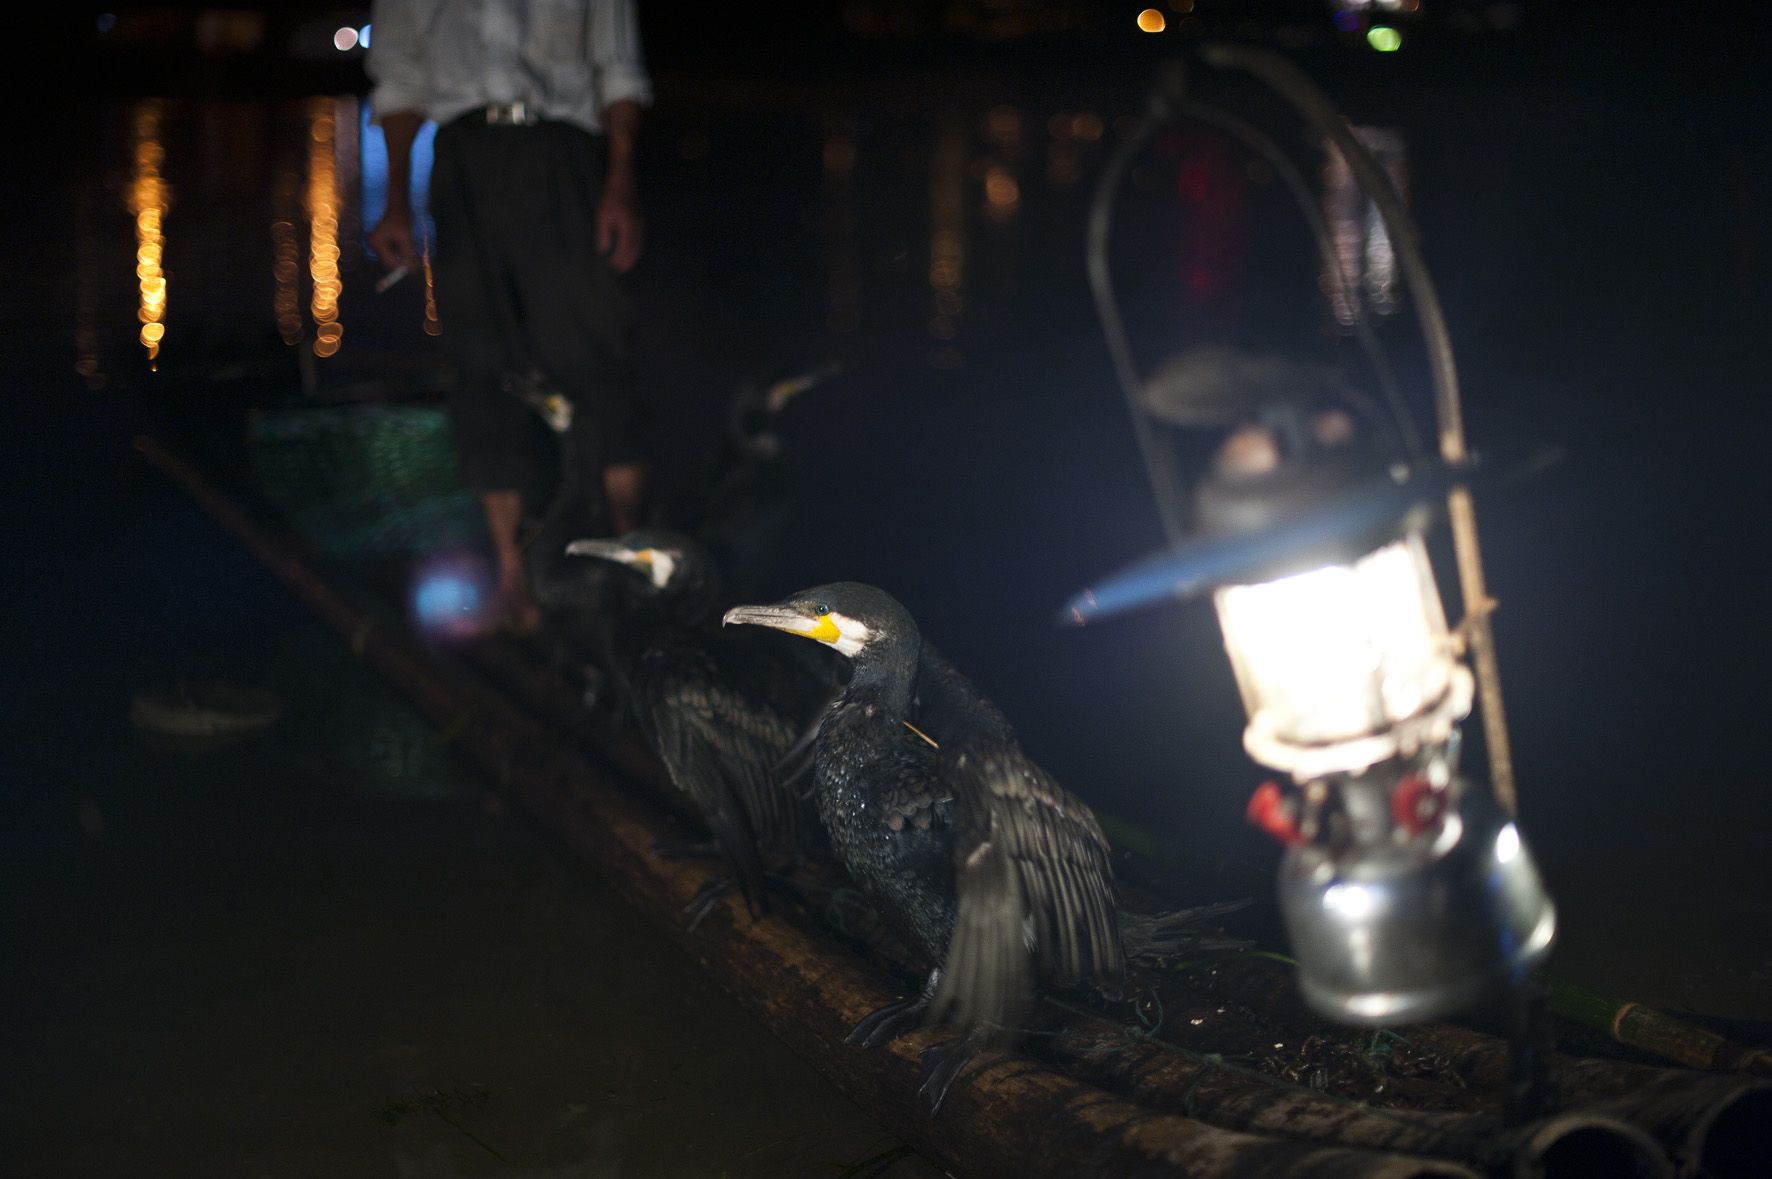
pixel 1598 234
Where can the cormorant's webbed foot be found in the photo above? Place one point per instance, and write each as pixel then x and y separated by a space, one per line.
pixel 895 1019
pixel 941 1064
pixel 888 1023
pixel 685 849
pixel 703 902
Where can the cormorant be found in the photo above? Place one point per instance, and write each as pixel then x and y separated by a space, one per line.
pixel 988 869
pixel 720 716
pixel 745 513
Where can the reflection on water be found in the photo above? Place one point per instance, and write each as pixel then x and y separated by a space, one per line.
pixel 1362 244
pixel 88 282
pixel 271 190
pixel 841 262
pixel 323 219
pixel 1212 180
pixel 286 266
pixel 282 191
pixel 1002 192
pixel 1071 135
pixel 149 196
pixel 432 326
pixel 947 239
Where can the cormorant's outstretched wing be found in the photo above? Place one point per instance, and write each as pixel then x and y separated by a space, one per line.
pixel 1034 883
pixel 949 708
pixel 720 746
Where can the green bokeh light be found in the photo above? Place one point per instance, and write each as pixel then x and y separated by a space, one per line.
pixel 1384 38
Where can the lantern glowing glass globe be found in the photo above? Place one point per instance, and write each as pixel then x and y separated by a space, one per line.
pixel 1346 665
pixel 1405 895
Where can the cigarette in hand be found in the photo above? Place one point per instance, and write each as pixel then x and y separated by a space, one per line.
pixel 391 277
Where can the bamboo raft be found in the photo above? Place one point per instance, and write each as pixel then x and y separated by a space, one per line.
pixel 1238 1079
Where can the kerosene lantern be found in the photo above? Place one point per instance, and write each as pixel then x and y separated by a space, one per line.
pixel 1406 892
pixel 1406 889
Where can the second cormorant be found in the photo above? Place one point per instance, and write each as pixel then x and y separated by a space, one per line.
pixel 719 715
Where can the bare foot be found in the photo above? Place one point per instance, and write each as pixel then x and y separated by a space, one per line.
pixel 517 609
pixel 519 613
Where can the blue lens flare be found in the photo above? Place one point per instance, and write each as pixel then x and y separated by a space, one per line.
pixel 451 596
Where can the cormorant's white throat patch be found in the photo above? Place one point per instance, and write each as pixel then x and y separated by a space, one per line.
pixel 660 565
pixel 852 633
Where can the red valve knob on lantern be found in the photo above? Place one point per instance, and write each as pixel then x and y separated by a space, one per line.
pixel 1416 804
pixel 1268 810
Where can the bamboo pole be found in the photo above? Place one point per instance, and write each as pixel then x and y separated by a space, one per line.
pixel 1638 1026
pixel 1008 1116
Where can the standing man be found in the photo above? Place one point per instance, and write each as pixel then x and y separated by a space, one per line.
pixel 537 104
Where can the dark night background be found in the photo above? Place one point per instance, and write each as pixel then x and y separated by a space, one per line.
pixel 1593 187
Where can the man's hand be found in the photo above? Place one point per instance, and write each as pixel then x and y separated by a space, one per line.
pixel 619 225
pixel 392 239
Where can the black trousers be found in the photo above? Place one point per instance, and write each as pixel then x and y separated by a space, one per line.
pixel 519 281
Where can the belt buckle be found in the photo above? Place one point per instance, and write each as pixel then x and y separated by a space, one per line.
pixel 514 114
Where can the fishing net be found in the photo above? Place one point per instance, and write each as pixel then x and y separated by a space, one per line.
pixel 361 480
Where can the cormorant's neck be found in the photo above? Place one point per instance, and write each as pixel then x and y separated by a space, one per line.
pixel 688 601
pixel 889 674
pixel 694 602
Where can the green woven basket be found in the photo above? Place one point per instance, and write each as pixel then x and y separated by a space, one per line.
pixel 366 479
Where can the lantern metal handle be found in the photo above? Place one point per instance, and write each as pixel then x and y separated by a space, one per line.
pixel 1292 84
pixel 1167 104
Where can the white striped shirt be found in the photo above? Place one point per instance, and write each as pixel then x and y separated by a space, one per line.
pixel 567 59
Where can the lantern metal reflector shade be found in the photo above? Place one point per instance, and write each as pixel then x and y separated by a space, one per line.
pixel 1339 643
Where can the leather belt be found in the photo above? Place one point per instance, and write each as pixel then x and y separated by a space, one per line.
pixel 509 114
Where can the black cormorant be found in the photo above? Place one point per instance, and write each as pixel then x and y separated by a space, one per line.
pixel 993 873
pixel 719 715
pixel 746 514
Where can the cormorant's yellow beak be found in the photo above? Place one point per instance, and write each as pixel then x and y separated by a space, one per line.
pixel 610 550
pixel 786 619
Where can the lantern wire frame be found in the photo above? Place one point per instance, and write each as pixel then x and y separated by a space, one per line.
pixel 1168 104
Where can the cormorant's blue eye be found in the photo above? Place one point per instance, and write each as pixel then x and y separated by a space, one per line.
pixel 821 608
